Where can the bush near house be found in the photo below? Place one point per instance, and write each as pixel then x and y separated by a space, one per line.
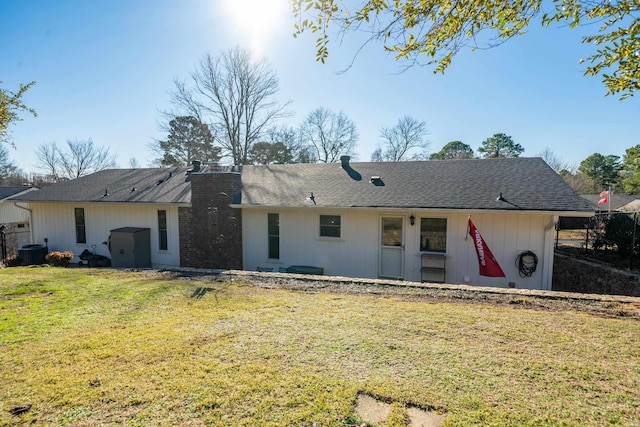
pixel 12 261
pixel 59 259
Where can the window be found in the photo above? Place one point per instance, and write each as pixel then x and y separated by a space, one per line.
pixel 162 230
pixel 81 232
pixel 329 225
pixel 433 234
pixel 391 232
pixel 273 227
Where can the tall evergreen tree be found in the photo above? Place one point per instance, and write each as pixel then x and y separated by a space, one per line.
pixel 500 145
pixel 454 150
pixel 604 171
pixel 188 140
pixel 631 169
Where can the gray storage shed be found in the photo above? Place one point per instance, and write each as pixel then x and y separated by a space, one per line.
pixel 131 247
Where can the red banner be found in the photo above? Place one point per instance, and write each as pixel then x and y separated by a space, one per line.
pixel 486 261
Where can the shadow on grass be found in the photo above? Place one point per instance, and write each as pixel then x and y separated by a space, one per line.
pixel 201 291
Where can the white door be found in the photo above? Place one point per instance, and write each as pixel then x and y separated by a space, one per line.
pixel 391 263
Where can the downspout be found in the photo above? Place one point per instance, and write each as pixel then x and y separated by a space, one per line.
pixel 30 221
pixel 547 266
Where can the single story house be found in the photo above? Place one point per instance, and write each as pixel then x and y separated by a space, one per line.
pixel 400 220
pixel 616 202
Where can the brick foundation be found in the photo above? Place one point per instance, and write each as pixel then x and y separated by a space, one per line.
pixel 211 231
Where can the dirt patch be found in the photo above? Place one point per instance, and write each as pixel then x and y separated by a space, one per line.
pixel 605 305
pixel 373 411
pixel 420 418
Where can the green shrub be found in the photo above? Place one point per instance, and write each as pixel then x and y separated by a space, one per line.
pixel 59 259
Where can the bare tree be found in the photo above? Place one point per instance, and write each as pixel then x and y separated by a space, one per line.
pixel 405 141
pixel 290 138
pixel 580 183
pixel 7 167
pixel 49 159
pixel 79 157
pixel 331 134
pixel 555 162
pixel 235 95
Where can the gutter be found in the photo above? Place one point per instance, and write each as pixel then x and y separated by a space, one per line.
pixel 547 266
pixel 585 214
pixel 553 223
pixel 15 203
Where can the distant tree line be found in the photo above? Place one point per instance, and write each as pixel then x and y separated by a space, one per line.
pixel 227 110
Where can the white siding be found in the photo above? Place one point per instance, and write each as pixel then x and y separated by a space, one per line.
pixel 356 253
pixel 56 222
pixel 9 213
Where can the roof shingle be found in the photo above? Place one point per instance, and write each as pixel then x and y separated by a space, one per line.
pixel 158 185
pixel 525 184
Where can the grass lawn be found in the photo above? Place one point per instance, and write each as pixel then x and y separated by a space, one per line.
pixel 93 347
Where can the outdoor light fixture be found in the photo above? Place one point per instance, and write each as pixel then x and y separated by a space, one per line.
pixel 412 219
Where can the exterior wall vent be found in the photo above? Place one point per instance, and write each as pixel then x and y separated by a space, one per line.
pixel 377 181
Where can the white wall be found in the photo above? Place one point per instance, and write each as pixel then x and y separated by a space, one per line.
pixel 356 253
pixel 9 213
pixel 56 222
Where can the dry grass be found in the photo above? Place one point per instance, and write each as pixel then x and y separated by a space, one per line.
pixel 90 347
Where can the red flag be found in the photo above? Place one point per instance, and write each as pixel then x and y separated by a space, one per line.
pixel 604 193
pixel 486 261
pixel 604 199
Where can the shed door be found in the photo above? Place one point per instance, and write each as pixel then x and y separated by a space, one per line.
pixel 391 262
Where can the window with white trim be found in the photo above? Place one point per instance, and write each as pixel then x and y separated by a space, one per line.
pixel 273 234
pixel 433 235
pixel 163 243
pixel 81 229
pixel 330 226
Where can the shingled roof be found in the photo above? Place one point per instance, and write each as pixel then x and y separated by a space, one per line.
pixel 524 183
pixel 476 184
pixel 617 200
pixel 6 192
pixel 158 185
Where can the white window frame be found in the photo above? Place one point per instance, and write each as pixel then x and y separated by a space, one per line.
pixel 446 243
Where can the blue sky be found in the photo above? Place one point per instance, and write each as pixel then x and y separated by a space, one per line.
pixel 105 69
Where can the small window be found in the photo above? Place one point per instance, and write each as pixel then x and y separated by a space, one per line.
pixel 81 232
pixel 162 230
pixel 273 232
pixel 329 225
pixel 433 235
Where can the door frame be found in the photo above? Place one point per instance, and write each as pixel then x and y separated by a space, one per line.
pixel 401 248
